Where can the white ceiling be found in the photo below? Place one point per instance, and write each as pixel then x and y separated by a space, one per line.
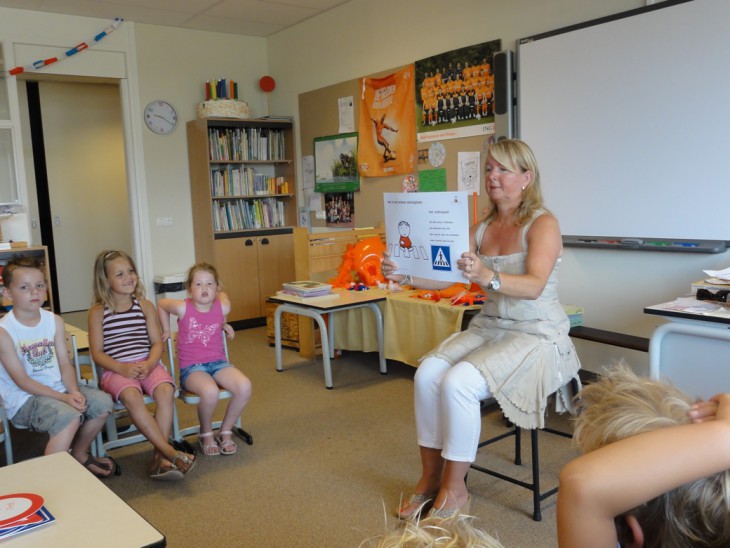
pixel 248 17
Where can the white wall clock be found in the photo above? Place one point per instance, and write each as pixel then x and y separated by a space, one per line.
pixel 436 154
pixel 160 117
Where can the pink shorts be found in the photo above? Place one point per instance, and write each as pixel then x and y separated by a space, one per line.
pixel 114 384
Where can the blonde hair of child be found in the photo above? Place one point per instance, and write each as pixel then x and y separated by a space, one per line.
pixel 102 290
pixel 456 532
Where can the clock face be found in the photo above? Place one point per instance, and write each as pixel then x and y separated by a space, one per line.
pixel 436 154
pixel 160 117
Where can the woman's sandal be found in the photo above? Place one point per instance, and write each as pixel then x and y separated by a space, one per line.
pixel 227 447
pixel 210 449
pixel 182 458
pixel 417 505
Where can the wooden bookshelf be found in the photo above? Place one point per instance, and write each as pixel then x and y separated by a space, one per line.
pixel 243 190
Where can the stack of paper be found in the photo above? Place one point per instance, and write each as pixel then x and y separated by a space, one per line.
pixel 307 289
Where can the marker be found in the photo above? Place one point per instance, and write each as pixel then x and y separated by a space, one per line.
pixel 685 244
pixel 659 243
pixel 610 242
pixel 631 241
pixel 587 241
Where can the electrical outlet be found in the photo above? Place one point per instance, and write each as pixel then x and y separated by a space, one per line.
pixel 164 221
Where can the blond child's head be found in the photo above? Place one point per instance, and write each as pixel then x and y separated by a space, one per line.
pixel 106 265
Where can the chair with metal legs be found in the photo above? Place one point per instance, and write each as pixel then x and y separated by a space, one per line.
pixel 534 486
pixel 5 435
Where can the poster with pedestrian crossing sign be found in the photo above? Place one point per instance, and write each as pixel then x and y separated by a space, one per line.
pixel 426 232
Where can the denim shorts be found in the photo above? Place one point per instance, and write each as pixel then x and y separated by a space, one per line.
pixel 209 367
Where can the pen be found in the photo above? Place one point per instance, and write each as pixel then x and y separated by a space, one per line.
pixel 659 243
pixel 587 241
pixel 686 244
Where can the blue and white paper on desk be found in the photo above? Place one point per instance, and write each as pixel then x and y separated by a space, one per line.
pixel 426 233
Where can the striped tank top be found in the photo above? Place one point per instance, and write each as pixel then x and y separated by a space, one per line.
pixel 125 334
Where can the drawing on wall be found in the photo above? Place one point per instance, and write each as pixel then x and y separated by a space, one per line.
pixel 335 163
pixel 455 93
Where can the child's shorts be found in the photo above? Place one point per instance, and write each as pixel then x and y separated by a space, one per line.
pixel 209 367
pixel 114 383
pixel 45 414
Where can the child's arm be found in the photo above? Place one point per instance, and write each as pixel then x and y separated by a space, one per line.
pixel 14 367
pixel 165 307
pixel 153 332
pixel 68 372
pixel 605 483
pixel 226 306
pixel 96 347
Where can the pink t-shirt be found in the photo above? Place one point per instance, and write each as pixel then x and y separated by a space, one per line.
pixel 199 338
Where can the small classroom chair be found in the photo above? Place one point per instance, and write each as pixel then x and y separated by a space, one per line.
pixel 5 435
pixel 87 373
pixel 190 398
pixel 534 486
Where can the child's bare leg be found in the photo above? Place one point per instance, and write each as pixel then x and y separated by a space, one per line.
pixel 203 385
pixel 86 434
pixel 240 387
pixel 63 440
pixel 146 424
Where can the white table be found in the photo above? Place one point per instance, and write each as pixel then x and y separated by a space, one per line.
pixel 318 309
pixel 87 512
pixel 692 349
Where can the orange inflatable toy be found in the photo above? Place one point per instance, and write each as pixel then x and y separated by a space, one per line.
pixel 361 263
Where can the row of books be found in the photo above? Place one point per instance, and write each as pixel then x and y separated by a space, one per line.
pixel 247 214
pixel 246 144
pixel 237 181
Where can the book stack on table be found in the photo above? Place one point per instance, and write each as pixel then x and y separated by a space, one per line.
pixel 307 290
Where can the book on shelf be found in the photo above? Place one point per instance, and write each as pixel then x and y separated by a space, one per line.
pixel 22 512
pixel 5 246
pixel 711 284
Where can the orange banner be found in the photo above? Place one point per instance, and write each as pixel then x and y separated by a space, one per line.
pixel 387 142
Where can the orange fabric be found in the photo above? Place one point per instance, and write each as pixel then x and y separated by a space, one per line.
pixel 387 138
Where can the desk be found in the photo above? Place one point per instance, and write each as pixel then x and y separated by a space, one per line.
pixel 321 308
pixel 87 512
pixel 692 349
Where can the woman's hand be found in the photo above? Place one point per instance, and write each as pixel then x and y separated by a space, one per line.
pixel 473 269
pixel 389 269
pixel 716 408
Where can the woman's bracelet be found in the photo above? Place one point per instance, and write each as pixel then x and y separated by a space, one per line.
pixel 407 280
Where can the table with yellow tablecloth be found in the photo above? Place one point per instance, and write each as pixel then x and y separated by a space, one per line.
pixel 412 326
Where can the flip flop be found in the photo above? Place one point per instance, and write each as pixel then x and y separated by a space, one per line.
pixel 91 461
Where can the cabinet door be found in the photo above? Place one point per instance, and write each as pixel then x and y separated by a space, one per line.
pixel 238 266
pixel 276 264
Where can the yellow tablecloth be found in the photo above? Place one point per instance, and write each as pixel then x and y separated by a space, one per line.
pixel 412 326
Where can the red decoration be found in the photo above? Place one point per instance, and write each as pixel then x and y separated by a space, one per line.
pixel 267 84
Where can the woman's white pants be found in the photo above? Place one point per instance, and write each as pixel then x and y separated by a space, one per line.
pixel 447 402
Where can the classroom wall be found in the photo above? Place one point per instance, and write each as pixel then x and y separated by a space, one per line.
pixel 368 36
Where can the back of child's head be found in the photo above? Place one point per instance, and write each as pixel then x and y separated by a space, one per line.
pixel 458 531
pixel 201 267
pixel 102 289
pixel 21 261
pixel 622 404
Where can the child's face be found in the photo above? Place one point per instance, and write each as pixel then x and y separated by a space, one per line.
pixel 28 289
pixel 204 288
pixel 121 276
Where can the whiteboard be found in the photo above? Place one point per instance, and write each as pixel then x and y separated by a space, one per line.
pixel 629 118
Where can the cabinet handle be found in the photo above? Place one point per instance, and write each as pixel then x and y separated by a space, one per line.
pixel 264 241
pixel 248 243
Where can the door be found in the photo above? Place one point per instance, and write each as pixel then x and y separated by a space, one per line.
pixel 87 184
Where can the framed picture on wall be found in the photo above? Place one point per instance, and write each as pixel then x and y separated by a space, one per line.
pixel 340 209
pixel 335 163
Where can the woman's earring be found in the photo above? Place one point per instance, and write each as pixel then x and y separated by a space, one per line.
pixel 523 188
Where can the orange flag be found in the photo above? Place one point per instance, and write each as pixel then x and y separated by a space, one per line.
pixel 387 140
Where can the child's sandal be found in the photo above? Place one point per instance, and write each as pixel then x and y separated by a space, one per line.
pixel 227 447
pixel 210 449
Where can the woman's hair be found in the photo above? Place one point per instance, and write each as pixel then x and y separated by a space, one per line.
pixel 201 267
pixel 456 532
pixel 102 291
pixel 517 157
pixel 621 405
